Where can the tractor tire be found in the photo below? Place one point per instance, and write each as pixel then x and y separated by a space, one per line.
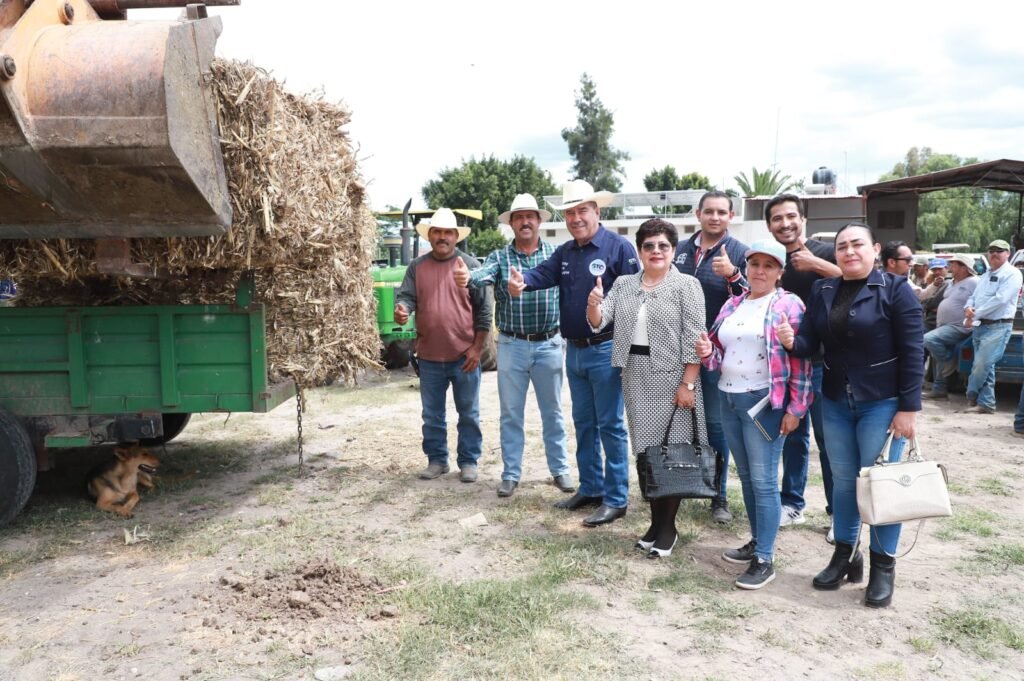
pixel 489 355
pixel 173 425
pixel 17 467
pixel 396 355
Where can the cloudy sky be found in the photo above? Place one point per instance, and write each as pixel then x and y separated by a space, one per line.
pixel 711 87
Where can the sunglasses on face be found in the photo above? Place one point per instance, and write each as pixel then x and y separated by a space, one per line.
pixel 650 246
pixel 908 259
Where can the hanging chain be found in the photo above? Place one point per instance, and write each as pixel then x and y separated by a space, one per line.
pixel 299 404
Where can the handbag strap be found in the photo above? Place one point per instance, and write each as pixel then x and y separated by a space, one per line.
pixel 668 430
pixel 914 454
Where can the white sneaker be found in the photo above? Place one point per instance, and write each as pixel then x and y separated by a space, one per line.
pixel 791 516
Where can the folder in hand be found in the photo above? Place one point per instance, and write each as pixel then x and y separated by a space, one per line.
pixel 767 420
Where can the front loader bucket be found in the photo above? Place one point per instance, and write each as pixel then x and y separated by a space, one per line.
pixel 108 129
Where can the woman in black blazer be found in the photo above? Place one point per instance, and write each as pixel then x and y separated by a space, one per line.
pixel 872 329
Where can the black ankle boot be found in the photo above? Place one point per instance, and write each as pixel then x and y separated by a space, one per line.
pixel 881 581
pixel 845 563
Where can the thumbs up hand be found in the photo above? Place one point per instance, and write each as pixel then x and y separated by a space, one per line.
pixel 784 332
pixel 461 273
pixel 721 265
pixel 596 296
pixel 703 345
pixel 401 314
pixel 802 260
pixel 516 283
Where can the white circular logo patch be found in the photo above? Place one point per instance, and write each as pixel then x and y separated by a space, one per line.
pixel 597 267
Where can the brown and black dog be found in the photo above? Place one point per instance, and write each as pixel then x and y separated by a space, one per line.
pixel 114 484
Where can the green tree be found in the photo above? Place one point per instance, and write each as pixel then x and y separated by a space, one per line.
pixel 489 185
pixel 959 215
pixel 667 179
pixel 589 142
pixel 762 183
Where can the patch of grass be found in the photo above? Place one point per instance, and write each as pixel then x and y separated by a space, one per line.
pixel 883 670
pixel 647 603
pixel 491 629
pixel 994 486
pixel 771 637
pixel 274 496
pixel 993 559
pixel 128 650
pixel 958 488
pixel 593 557
pixel 967 521
pixel 687 579
pixel 976 629
pixel 922 645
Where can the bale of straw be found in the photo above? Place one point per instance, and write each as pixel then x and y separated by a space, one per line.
pixel 300 222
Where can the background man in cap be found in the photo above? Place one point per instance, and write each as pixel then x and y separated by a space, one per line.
pixel 717 261
pixel 594 254
pixel 529 344
pixel 990 311
pixel 451 327
pixel 806 262
pixel 942 342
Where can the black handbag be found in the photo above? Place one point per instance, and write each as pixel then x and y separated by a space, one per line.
pixel 689 471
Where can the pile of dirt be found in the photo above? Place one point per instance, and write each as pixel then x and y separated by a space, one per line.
pixel 300 223
pixel 316 589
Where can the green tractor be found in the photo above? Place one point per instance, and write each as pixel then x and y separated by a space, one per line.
pixel 398 340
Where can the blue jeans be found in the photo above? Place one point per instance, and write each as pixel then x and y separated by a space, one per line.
pixel 597 412
pixel 520 363
pixel 1018 418
pixel 796 453
pixel 856 432
pixel 989 345
pixel 713 418
pixel 757 462
pixel 434 380
pixel 941 344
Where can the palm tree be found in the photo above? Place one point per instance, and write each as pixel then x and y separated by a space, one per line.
pixel 762 183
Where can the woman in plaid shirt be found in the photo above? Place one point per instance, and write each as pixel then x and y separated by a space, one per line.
pixel 765 392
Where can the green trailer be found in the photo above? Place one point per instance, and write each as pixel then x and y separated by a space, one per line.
pixel 85 376
pixel 397 339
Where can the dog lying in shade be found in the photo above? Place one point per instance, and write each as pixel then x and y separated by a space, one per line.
pixel 114 484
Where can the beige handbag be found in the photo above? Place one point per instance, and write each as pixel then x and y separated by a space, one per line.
pixel 912 489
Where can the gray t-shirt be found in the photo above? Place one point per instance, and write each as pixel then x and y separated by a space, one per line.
pixel 951 309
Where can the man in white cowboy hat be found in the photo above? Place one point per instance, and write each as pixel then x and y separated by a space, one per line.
pixel 452 324
pixel 596 387
pixel 942 342
pixel 529 345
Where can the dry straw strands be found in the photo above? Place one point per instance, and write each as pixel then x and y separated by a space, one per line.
pixel 300 222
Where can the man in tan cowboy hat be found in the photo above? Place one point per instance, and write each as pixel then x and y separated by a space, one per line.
pixel 595 385
pixel 989 312
pixel 942 342
pixel 529 345
pixel 451 326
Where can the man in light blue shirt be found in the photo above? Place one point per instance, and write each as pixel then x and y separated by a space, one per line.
pixel 990 312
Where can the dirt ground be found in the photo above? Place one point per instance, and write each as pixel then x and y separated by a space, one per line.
pixel 243 566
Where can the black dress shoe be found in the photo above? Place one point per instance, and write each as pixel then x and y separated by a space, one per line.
pixel 604 514
pixel 507 487
pixel 578 501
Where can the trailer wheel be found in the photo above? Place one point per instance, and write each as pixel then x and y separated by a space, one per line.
pixel 173 425
pixel 17 467
pixel 397 354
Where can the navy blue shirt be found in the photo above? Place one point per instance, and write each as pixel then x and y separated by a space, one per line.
pixel 574 269
pixel 716 289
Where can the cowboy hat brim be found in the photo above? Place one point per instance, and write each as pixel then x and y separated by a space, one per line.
pixel 423 230
pixel 504 218
pixel 601 198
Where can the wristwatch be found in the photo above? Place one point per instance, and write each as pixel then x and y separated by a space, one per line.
pixel 689 386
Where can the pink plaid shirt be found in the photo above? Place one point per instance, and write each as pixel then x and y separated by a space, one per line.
pixel 785 370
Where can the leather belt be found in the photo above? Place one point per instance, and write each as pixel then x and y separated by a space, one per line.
pixel 542 336
pixel 995 321
pixel 593 340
